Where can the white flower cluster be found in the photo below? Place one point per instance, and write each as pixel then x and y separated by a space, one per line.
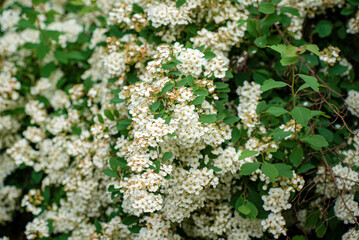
pixel 352 101
pixel 276 200
pixel 353 24
pixel 249 97
pixel 342 208
pixel 330 55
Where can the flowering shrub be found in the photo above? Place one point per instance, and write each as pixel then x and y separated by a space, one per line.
pixel 179 119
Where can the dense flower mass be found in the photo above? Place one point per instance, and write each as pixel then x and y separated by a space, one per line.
pixel 179 119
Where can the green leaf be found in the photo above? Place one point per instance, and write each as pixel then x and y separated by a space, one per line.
pixel 123 124
pixel 208 54
pixel 266 7
pixel 50 34
pixel 136 228
pixel 323 28
pixel 76 55
pixel 60 56
pixel 179 3
pixel 114 163
pixel 110 172
pixel 285 61
pixel 41 50
pixel 311 81
pixel 328 135
pixel 236 135
pixel 221 85
pixel 284 170
pixel 252 27
pixel 279 48
pixel 132 78
pixel 129 220
pixel 209 118
pixel 249 168
pixel 301 115
pixel 276 111
pixel 254 211
pixel 77 2
pixel 168 86
pixel 100 118
pixel 243 209
pixel 316 141
pixel 167 156
pixel 247 153
pixel 109 114
pixel 47 69
pixel 137 9
pixel 304 86
pixel 198 100
pixel 305 168
pixel 296 156
pixel 153 107
pixel 314 49
pixel 178 73
pixel 228 74
pixel 76 130
pixel 168 66
pixel 231 119
pixel 299 237
pixel 261 41
pixel 201 92
pixel 290 10
pixel 270 171
pixel 270 84
pixel 291 51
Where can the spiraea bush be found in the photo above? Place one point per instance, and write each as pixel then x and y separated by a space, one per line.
pixel 179 119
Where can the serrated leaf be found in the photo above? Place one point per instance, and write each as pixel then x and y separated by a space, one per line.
pixel 276 111
pixel 314 49
pixel 311 81
pixel 302 115
pixel 284 170
pixel 270 171
pixel 209 118
pixel 296 156
pixel 279 48
pixel 247 153
pixel 285 61
pixel 249 168
pixel 270 84
pixel 167 156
